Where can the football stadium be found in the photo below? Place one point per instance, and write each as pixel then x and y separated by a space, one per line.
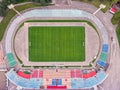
pixel 61 46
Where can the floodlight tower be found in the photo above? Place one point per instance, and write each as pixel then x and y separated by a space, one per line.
pixel 11 6
pixel 100 7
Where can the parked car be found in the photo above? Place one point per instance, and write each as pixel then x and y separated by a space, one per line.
pixel 115 8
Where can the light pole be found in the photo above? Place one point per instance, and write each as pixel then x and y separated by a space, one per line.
pixel 69 2
pixel 11 6
pixel 101 88
pixel 95 88
pixel 19 88
pixel 100 7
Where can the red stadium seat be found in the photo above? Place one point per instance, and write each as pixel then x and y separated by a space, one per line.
pixel 37 74
pixel 76 73
pixel 24 75
pixel 56 87
pixel 90 74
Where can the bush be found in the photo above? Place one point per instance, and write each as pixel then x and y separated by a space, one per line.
pixel 118 33
pixel 10 14
pixel 3 7
pixel 116 18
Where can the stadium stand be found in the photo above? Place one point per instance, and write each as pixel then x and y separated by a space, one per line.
pixel 11 60
pixel 76 73
pixel 54 83
pixel 59 82
pixel 76 83
pixel 81 83
pixel 51 73
pixel 103 57
pixel 91 79
pixel 56 87
pixel 105 48
pixel 31 83
pixel 34 74
pixel 90 74
pixel 37 73
pixel 102 64
pixel 40 73
pixel 24 75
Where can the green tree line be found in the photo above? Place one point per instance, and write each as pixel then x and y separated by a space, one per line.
pixel 4 3
pixel 116 21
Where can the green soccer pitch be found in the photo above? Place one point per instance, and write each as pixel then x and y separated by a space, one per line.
pixel 56 43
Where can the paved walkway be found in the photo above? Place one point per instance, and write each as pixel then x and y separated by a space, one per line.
pixel 113 81
pixel 2 81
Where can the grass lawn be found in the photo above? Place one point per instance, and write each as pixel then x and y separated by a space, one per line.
pixel 56 44
pixel 96 3
pixel 10 14
pixel 118 33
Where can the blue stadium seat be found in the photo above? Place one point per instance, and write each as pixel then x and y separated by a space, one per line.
pixel 105 48
pixel 103 56
pixel 59 82
pixel 80 83
pixel 101 75
pixel 90 82
pixel 54 82
pixel 77 83
pixel 32 83
pixel 102 64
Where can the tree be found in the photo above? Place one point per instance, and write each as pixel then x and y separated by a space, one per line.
pixel 3 7
pixel 116 18
pixel 4 3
